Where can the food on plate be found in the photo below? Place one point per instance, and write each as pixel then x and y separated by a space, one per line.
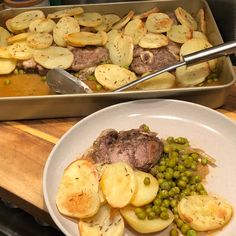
pixel 7 65
pixel 104 188
pixel 134 44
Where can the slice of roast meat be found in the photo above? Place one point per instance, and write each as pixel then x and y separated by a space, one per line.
pixel 147 60
pixel 88 57
pixel 140 149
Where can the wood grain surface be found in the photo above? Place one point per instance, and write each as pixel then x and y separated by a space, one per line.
pixel 25 147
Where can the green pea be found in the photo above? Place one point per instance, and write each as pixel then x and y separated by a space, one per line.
pixel 195 156
pixel 16 71
pixel 160 181
pixel 176 190
pixel 157 202
pixel 193 166
pixel 181 168
pixel 92 77
pixel 191 232
pixel 172 163
pixel 168 175
pixel 184 228
pixel 166 149
pixel 199 187
pixel 174 154
pixel 181 184
pixel 188 173
pixel 164 215
pixel 162 162
pixel 98 87
pixel 146 181
pixel 204 161
pixel 154 170
pixel 175 210
pixel 172 193
pixel 145 128
pixel 174 232
pixel 43 78
pixel 148 209
pixel 165 185
pixel 166 203
pixel 187 191
pixel 156 209
pixel 173 203
pixel 203 192
pixel 138 210
pixel 151 215
pixel 184 178
pixel 7 81
pixel 141 215
pixel 21 72
pixel 176 174
pixel 161 168
pixel 163 194
pixel 197 178
pixel 179 223
pixel 170 139
pixel 187 163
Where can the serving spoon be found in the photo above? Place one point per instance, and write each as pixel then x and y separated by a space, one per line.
pixel 60 81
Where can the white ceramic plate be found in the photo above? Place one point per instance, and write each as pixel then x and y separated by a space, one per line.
pixel 205 128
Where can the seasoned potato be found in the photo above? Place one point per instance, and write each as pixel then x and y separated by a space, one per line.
pixel 108 21
pixel 107 222
pixel 17 38
pixel 4 53
pixel 146 225
pixel 66 25
pixel 23 20
pixel 185 18
pixel 204 212
pixel 199 34
pixel 89 19
pixel 39 40
pixel 144 194
pixel 113 76
pixel 81 39
pixel 151 40
pixel 21 51
pixel 146 14
pixel 118 178
pixel 179 33
pixel 201 22
pixel 42 25
pixel 163 81
pixel 66 12
pixel 7 65
pixel 121 23
pixel 54 57
pixel 4 35
pixel 8 25
pixel 135 28
pixel 158 23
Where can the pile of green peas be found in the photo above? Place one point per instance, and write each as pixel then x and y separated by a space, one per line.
pixel 177 176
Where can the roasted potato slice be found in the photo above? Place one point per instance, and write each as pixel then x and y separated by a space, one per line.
pixel 151 40
pixel 158 23
pixel 7 65
pixel 23 20
pixel 4 35
pixel 106 222
pixel 118 178
pixel 199 34
pixel 89 19
pixel 42 25
pixel 205 212
pixel 136 29
pixel 201 22
pixel 21 51
pixel 8 25
pixel 66 25
pixel 185 18
pixel 146 225
pixel 17 38
pixel 4 53
pixel 66 12
pixel 146 14
pixel 54 57
pixel 82 39
pixel 179 33
pixel 122 22
pixel 39 40
pixel 163 81
pixel 108 21
pixel 113 76
pixel 144 193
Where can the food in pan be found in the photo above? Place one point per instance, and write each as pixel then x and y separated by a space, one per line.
pixel 106 50
pixel 133 177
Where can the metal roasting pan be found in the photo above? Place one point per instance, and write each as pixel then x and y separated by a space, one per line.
pixel 53 106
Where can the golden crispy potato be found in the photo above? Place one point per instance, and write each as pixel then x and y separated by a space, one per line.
pixel 146 14
pixel 113 76
pixel 204 212
pixel 151 40
pixel 135 28
pixel 66 12
pixel 201 22
pixel 8 25
pixel 118 178
pixel 185 18
pixel 89 19
pixel 21 50
pixel 39 40
pixel 108 21
pixel 17 38
pixel 146 225
pixel 23 20
pixel 199 34
pixel 42 25
pixel 121 23
pixel 4 35
pixel 107 222
pixel 158 23
pixel 179 33
pixel 54 57
pixel 7 65
pixel 4 53
pixel 144 194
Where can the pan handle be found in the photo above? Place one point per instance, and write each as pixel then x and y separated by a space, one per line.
pixel 210 53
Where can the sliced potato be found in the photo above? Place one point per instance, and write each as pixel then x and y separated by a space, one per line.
pixel 135 28
pixel 205 212
pixel 179 33
pixel 108 21
pixel 106 222
pixel 199 34
pixel 7 65
pixel 158 23
pixel 185 18
pixel 144 194
pixel 66 12
pixel 89 19
pixel 118 178
pixel 66 25
pixel 121 23
pixel 163 81
pixel 54 57
pixel 8 25
pixel 42 25
pixel 4 53
pixel 4 35
pixel 146 225
pixel 23 20
pixel 17 38
pixel 82 39
pixel 39 40
pixel 21 51
pixel 146 14
pixel 151 40
pixel 113 76
pixel 120 48
pixel 201 22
